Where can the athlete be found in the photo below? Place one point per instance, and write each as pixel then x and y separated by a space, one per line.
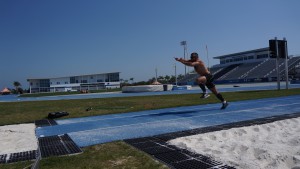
pixel 205 77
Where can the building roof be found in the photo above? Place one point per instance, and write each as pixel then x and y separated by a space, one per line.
pixel 156 83
pixel 241 53
pixel 5 90
pixel 70 76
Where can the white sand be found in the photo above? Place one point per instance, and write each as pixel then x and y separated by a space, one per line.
pixel 269 146
pixel 17 138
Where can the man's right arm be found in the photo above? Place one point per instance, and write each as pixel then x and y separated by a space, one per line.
pixel 185 62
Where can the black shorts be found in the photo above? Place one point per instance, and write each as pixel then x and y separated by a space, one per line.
pixel 209 81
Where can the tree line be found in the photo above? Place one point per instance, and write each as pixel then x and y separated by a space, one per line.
pixel 18 89
pixel 161 79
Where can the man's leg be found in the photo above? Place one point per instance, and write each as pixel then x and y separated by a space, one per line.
pixel 219 96
pixel 202 87
pixel 204 92
pixel 201 81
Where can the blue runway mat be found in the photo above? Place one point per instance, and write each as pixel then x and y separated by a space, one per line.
pixel 100 129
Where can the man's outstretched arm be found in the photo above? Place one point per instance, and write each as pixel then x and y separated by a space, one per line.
pixel 185 62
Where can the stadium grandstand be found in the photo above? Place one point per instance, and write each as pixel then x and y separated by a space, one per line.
pixel 248 66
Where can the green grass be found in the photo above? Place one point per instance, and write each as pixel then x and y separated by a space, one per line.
pixel 115 154
pixel 110 155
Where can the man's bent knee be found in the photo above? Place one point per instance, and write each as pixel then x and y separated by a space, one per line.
pixel 210 85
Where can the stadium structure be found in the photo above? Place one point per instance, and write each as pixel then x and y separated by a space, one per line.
pixel 248 66
pixel 75 83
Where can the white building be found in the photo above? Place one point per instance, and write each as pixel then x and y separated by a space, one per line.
pixel 75 83
pixel 244 57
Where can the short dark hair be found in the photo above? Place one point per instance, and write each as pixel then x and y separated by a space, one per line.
pixel 194 54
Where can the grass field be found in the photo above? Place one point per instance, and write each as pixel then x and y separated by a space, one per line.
pixel 115 154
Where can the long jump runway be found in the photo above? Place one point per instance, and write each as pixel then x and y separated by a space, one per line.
pixel 101 129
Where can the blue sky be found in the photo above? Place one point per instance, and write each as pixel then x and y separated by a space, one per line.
pixel 57 38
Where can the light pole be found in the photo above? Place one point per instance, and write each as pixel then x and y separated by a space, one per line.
pixel 156 74
pixel 175 74
pixel 207 57
pixel 286 64
pixel 184 44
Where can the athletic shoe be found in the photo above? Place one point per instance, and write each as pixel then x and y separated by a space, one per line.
pixel 204 96
pixel 88 109
pixel 224 105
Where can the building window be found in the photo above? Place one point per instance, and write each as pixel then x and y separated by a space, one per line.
pixel 262 56
pixel 113 77
pixel 44 83
pixel 238 59
pixel 72 80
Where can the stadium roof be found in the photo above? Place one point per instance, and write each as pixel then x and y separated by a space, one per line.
pixel 241 53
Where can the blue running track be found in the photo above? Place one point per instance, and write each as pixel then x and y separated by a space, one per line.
pixel 101 129
pixel 229 88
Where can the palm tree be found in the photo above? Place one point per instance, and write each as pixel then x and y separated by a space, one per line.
pixel 17 85
pixel 172 79
pixel 160 78
pixel 180 76
pixel 167 78
pixel 131 79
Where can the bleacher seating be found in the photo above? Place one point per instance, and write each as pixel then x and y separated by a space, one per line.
pixel 262 69
pixel 216 70
pixel 291 63
pixel 225 70
pixel 252 68
pixel 256 70
pixel 189 78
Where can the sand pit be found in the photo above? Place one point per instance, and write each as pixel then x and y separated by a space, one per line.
pixel 17 138
pixel 269 146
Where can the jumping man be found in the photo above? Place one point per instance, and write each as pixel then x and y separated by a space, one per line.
pixel 205 78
